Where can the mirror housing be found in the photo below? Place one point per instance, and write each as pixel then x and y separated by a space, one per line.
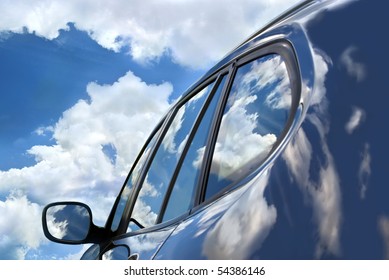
pixel 70 223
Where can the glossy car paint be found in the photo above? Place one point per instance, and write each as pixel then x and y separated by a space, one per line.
pixel 322 193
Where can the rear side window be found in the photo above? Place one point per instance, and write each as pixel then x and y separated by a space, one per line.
pixel 255 115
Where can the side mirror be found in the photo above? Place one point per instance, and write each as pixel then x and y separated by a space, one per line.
pixel 68 222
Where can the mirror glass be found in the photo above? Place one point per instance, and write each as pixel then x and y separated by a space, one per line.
pixel 68 222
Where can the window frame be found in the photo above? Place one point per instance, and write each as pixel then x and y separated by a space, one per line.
pixel 212 83
pixel 193 131
pixel 279 47
pixel 110 219
pixel 215 78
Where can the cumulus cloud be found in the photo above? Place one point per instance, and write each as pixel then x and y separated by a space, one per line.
pixel 20 228
pixel 121 114
pixel 194 33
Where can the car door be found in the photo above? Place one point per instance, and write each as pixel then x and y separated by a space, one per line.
pixel 234 214
pixel 159 193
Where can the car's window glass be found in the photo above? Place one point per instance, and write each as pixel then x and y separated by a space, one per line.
pixel 156 182
pixel 181 198
pixel 254 117
pixel 125 194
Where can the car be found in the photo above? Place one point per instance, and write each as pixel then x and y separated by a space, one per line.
pixel 278 152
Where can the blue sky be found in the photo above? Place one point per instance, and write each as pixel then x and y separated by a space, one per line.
pixel 36 74
pixel 82 84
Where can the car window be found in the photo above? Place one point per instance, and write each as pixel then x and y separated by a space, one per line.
pixel 159 175
pixel 181 198
pixel 125 194
pixel 254 117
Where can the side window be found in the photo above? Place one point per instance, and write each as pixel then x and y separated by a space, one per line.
pixel 255 115
pixel 181 198
pixel 152 193
pixel 126 192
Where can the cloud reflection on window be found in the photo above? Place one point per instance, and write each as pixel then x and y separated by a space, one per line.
pixel 255 115
pixel 160 173
pixel 126 192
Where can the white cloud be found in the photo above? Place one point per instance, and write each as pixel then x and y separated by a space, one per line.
pixel 357 116
pixel 20 226
pixel 194 32
pixel 121 114
pixel 41 131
